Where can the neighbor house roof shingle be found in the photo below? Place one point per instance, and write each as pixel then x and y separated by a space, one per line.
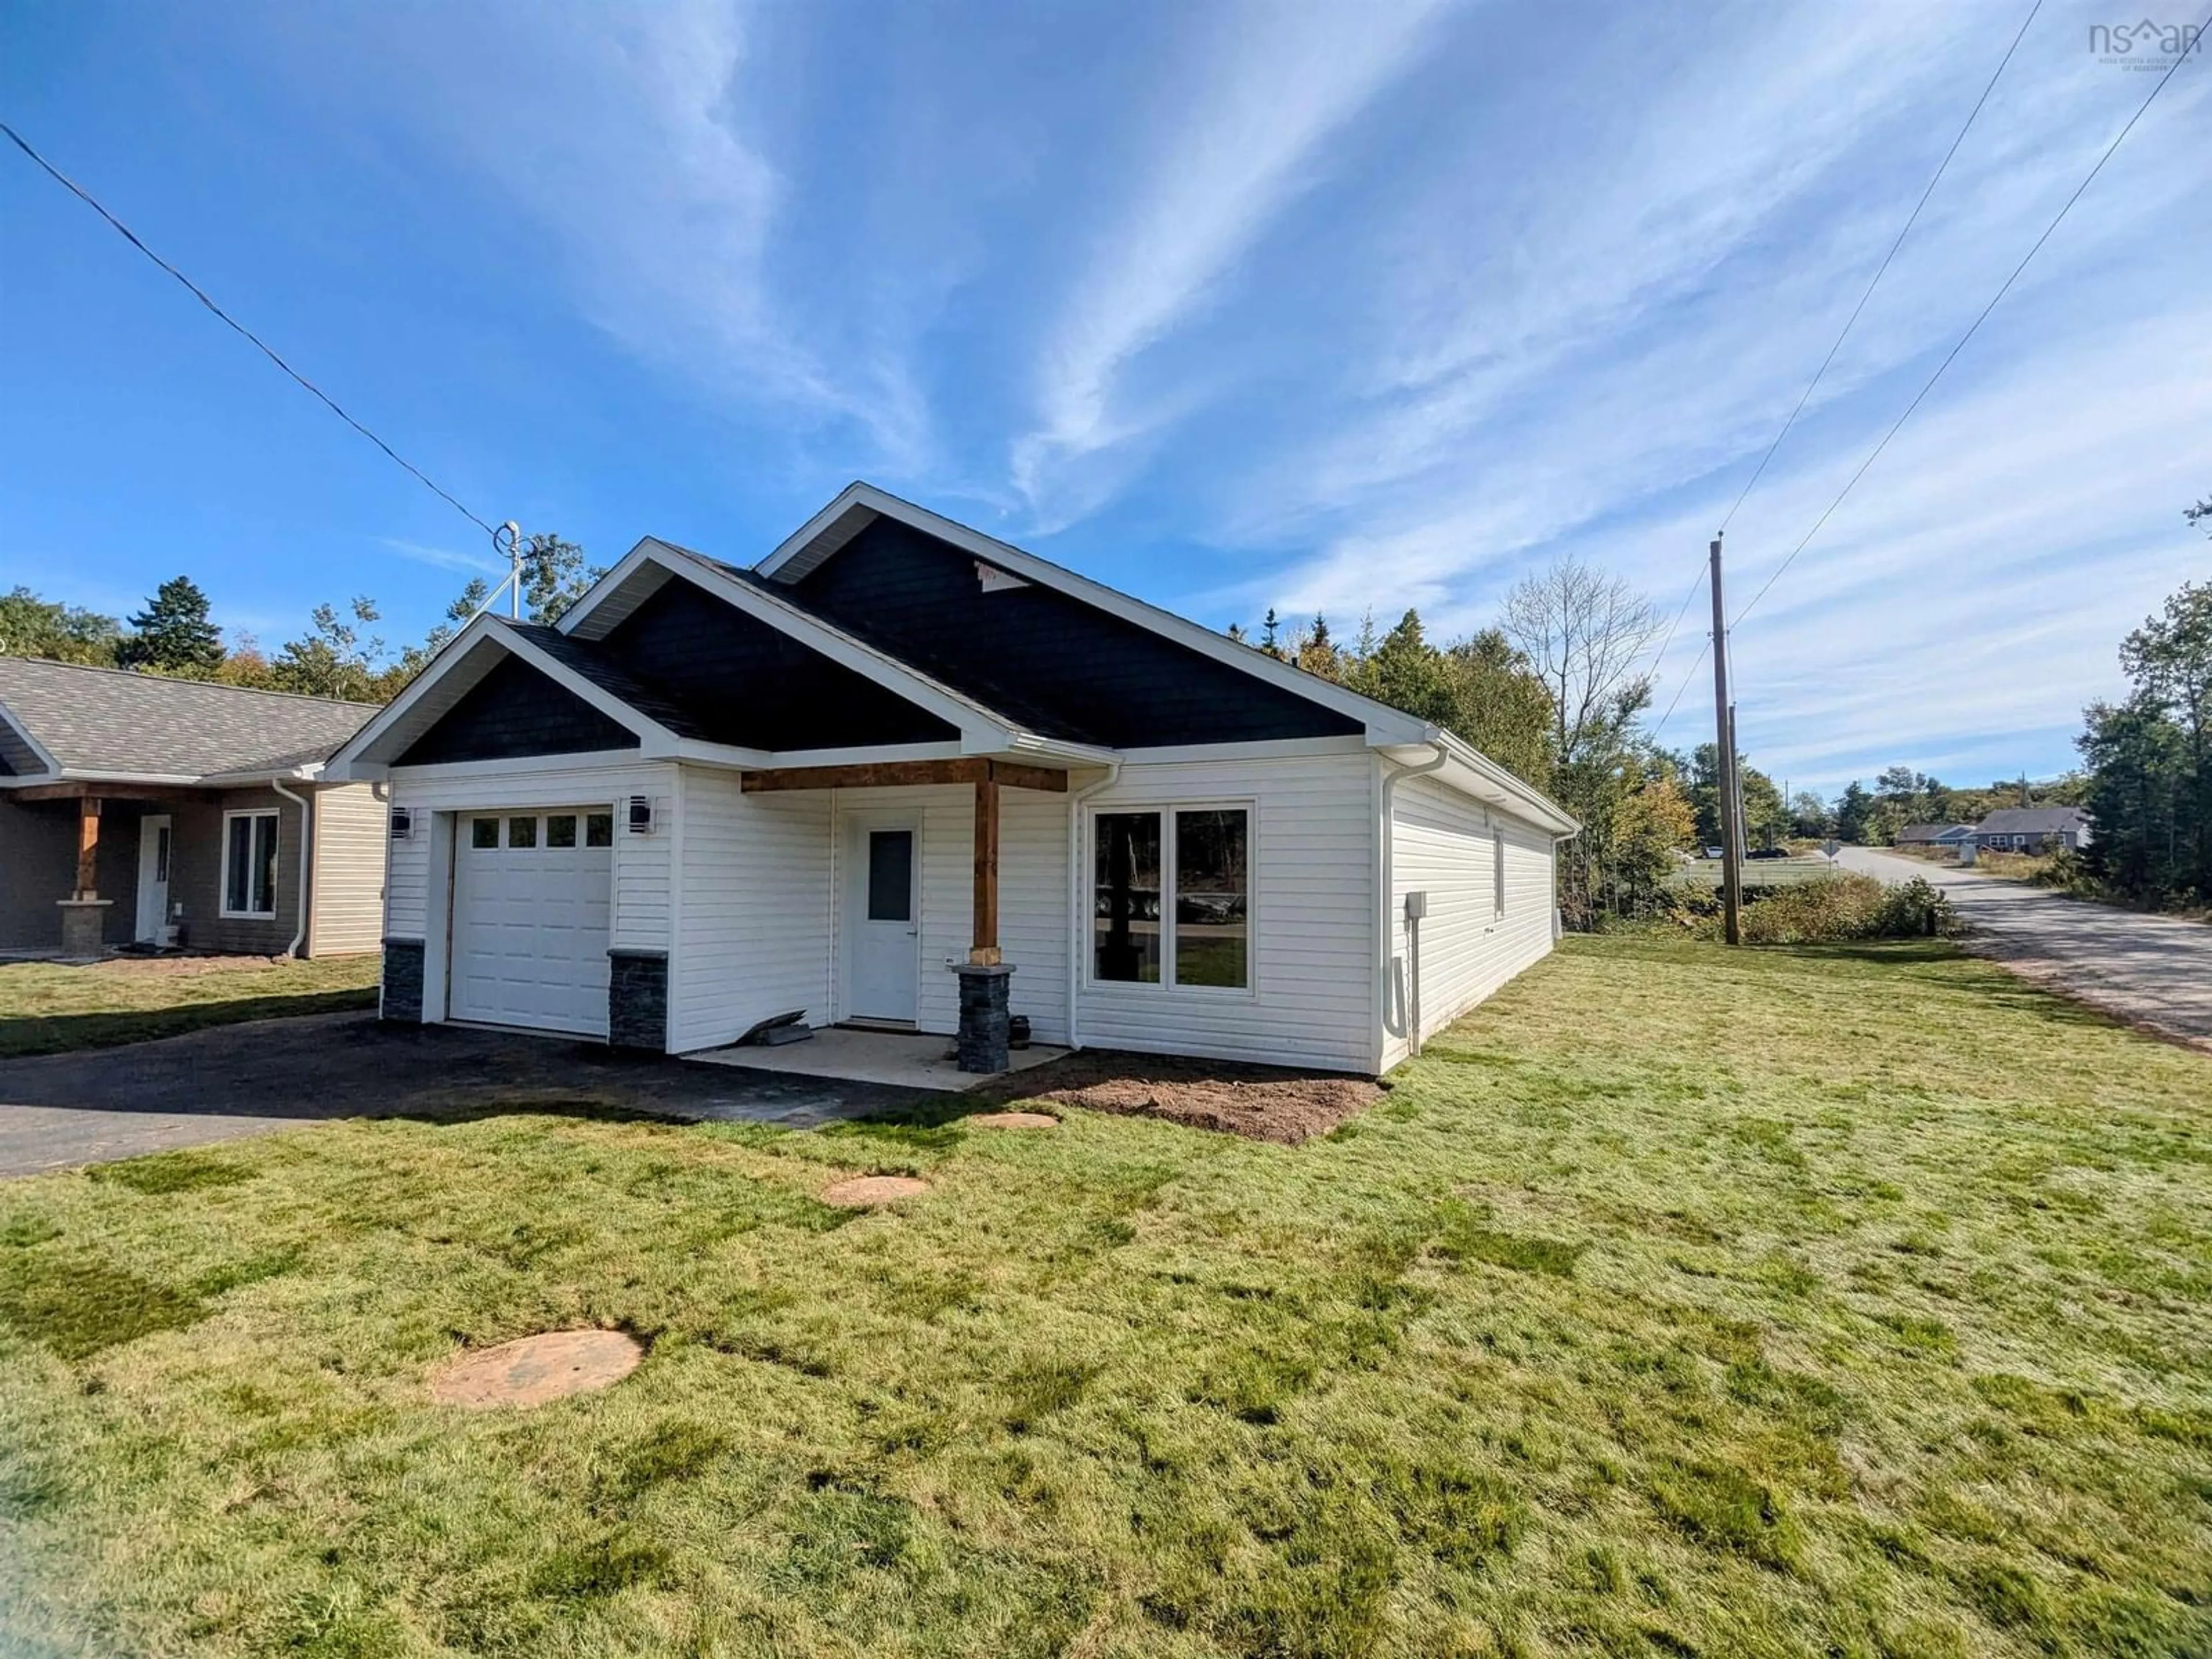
pixel 2031 820
pixel 144 725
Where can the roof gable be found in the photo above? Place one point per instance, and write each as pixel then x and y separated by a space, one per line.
pixel 745 683
pixel 1064 667
pixel 516 709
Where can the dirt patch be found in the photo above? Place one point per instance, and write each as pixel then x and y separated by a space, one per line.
pixel 1010 1121
pixel 533 1370
pixel 1265 1103
pixel 866 1192
pixel 179 967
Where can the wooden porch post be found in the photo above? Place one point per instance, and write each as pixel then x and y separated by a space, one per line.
pixel 985 950
pixel 87 846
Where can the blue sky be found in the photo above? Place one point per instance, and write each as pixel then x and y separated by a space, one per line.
pixel 1330 308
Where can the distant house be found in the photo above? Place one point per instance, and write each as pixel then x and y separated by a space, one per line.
pixel 2033 830
pixel 138 808
pixel 1936 837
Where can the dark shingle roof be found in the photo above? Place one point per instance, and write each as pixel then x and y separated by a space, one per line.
pixel 2033 820
pixel 107 720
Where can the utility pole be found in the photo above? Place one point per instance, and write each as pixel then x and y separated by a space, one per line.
pixel 1724 751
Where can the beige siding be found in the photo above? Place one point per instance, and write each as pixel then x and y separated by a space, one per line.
pixel 1441 844
pixel 1312 909
pixel 345 893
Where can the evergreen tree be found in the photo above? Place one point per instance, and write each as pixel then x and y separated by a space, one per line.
pixel 173 633
pixel 1854 812
pixel 1267 632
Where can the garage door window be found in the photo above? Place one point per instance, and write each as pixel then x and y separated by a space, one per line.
pixel 598 830
pixel 483 833
pixel 561 830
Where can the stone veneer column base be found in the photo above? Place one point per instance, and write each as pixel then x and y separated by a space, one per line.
pixel 983 997
pixel 637 1000
pixel 402 1000
pixel 83 923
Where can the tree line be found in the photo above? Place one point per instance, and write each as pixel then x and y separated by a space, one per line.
pixel 338 655
pixel 2149 756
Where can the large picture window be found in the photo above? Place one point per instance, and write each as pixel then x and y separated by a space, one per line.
pixel 1171 897
pixel 249 864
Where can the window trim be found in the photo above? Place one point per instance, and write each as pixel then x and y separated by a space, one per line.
pixel 276 865
pixel 1166 985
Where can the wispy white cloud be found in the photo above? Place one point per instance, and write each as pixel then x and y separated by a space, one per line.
pixel 445 558
pixel 1278 85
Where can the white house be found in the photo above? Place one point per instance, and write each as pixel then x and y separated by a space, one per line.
pixel 901 773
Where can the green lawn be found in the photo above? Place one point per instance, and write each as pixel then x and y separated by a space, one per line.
pixel 1852 1301
pixel 48 1006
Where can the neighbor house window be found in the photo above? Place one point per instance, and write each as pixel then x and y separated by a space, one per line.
pixel 249 864
pixel 1171 897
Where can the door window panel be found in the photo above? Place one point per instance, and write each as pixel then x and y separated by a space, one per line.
pixel 483 833
pixel 598 830
pixel 561 830
pixel 890 875
pixel 522 832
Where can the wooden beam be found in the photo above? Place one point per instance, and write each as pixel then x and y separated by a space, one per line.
pixel 905 774
pixel 75 790
pixel 87 846
pixel 985 952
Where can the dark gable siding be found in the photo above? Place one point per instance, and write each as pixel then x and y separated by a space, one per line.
pixel 514 710
pixel 743 682
pixel 1044 657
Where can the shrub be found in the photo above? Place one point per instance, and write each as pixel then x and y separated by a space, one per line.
pixel 1837 909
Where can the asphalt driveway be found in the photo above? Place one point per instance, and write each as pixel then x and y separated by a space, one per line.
pixel 2154 970
pixel 60 1110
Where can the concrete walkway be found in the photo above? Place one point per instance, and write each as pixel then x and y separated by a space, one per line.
pixel 2156 970
pixel 60 1110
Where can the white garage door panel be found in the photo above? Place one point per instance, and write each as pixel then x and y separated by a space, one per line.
pixel 530 929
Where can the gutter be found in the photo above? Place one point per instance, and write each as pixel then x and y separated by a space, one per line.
pixel 306 832
pixel 1078 933
pixel 1388 829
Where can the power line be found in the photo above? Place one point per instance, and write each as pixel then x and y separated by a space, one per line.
pixel 2004 289
pixel 199 294
pixel 1911 219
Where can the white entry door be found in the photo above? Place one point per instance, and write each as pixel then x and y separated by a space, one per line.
pixel 155 839
pixel 883 941
pixel 532 900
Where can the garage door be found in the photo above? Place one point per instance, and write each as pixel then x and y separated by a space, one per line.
pixel 532 898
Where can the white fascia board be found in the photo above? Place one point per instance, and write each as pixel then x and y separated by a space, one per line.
pixel 976 722
pixel 1384 724
pixel 651 732
pixel 589 760
pixel 1475 775
pixel 575 618
pixel 1270 749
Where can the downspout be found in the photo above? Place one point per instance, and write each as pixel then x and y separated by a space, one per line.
pixel 1388 829
pixel 1077 932
pixel 306 829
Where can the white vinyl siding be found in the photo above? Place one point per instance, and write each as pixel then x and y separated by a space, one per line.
pixel 1449 847
pixel 419 871
pixel 753 931
pixel 346 885
pixel 1312 907
pixel 763 896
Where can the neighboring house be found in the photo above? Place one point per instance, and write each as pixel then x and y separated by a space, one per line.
pixel 2033 830
pixel 1937 837
pixel 135 807
pixel 900 773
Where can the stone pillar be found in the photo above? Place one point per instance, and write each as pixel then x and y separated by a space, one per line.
pixel 637 1000
pixel 983 994
pixel 402 1002
pixel 83 922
